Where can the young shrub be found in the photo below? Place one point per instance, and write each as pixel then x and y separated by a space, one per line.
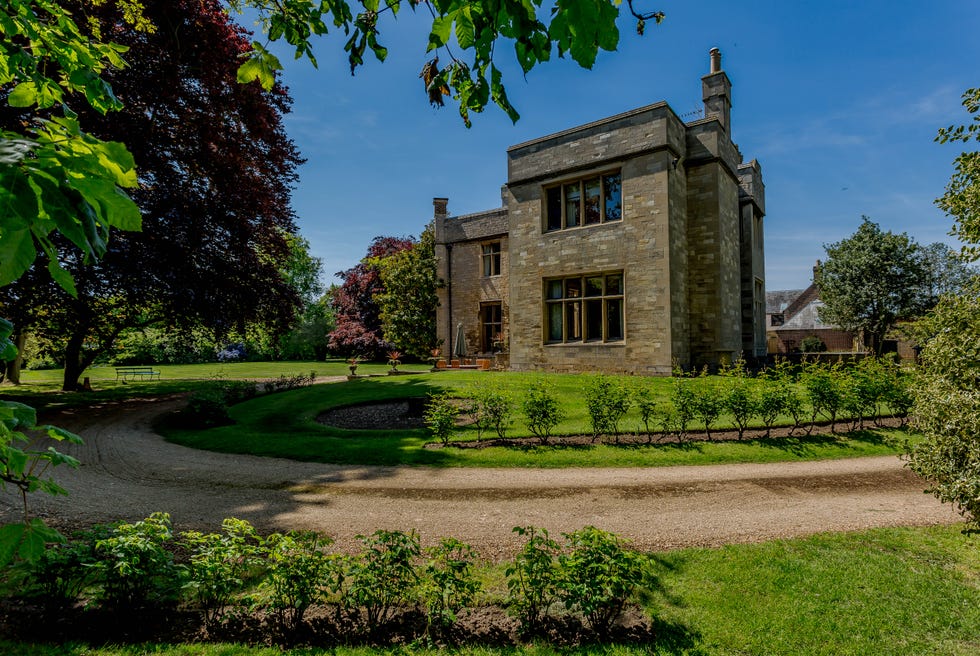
pixel 825 393
pixel 298 571
pixel 541 411
pixel 707 403
pixel 383 577
pixel 606 401
pixel 684 402
pixel 219 566
pixel 783 375
pixel 134 566
pixel 773 395
pixel 447 582
pixel 440 416
pixel 532 578
pixel 740 398
pixel 494 409
pixel 647 407
pixel 598 576
pixel 898 394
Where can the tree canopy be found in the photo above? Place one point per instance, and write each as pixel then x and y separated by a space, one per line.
pixel 407 300
pixel 470 36
pixel 962 198
pixel 870 280
pixel 355 302
pixel 947 403
pixel 208 254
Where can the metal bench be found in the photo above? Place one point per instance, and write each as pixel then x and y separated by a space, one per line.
pixel 136 373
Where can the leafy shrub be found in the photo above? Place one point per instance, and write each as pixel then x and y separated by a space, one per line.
pixel 220 565
pixel 298 573
pixel 541 411
pixel 383 576
pixel 647 407
pixel 135 567
pixel 740 398
pixel 493 408
pixel 532 578
pixel 440 416
pixel 707 402
pixel 63 571
pixel 812 344
pixel 285 383
pixel 606 401
pixel 683 399
pixel 208 407
pixel 448 584
pixel 598 576
pixel 825 392
pixel 773 400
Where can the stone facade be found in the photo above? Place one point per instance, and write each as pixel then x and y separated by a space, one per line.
pixel 629 245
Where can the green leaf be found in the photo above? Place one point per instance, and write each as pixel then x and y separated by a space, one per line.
pixel 464 28
pixel 16 254
pixel 23 95
pixel 442 28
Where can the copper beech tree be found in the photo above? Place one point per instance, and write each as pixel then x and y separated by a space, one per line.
pixel 215 169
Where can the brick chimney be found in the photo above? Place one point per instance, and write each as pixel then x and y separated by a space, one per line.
pixel 440 208
pixel 716 91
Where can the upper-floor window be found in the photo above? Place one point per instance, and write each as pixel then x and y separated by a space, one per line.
pixel 584 308
pixel 592 200
pixel 491 259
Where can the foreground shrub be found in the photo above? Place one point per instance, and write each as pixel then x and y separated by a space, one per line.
pixel 532 578
pixel 448 584
pixel 598 576
pixel 383 576
pixel 63 571
pixel 135 567
pixel 219 566
pixel 298 574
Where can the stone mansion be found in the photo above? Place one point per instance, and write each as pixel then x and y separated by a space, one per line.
pixel 629 244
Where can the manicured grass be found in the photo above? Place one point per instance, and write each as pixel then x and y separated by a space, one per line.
pixel 42 389
pixel 231 370
pixel 885 592
pixel 284 425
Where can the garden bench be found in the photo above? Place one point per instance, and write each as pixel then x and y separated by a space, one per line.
pixel 134 373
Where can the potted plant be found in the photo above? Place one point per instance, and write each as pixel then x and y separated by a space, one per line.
pixel 394 359
pixel 436 359
pixel 352 364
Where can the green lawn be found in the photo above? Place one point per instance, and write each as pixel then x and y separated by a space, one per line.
pixel 284 425
pixel 884 592
pixel 231 370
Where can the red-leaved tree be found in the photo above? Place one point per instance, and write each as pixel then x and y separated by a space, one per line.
pixel 215 171
pixel 358 330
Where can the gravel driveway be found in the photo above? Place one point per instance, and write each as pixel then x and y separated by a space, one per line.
pixel 128 471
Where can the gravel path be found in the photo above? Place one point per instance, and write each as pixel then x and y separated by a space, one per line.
pixel 128 472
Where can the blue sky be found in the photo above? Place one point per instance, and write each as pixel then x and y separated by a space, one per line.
pixel 839 101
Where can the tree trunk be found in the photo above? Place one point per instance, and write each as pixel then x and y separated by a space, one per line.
pixel 14 367
pixel 73 361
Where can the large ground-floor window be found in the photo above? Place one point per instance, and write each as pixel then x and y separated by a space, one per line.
pixel 491 325
pixel 585 308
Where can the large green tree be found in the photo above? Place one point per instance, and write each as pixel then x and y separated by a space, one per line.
pixel 872 279
pixel 408 298
pixel 947 402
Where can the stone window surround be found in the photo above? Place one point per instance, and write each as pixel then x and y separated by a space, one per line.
pixel 490 256
pixel 584 300
pixel 580 177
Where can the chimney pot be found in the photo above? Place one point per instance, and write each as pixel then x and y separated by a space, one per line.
pixel 715 60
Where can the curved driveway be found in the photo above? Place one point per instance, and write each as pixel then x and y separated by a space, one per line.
pixel 128 472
